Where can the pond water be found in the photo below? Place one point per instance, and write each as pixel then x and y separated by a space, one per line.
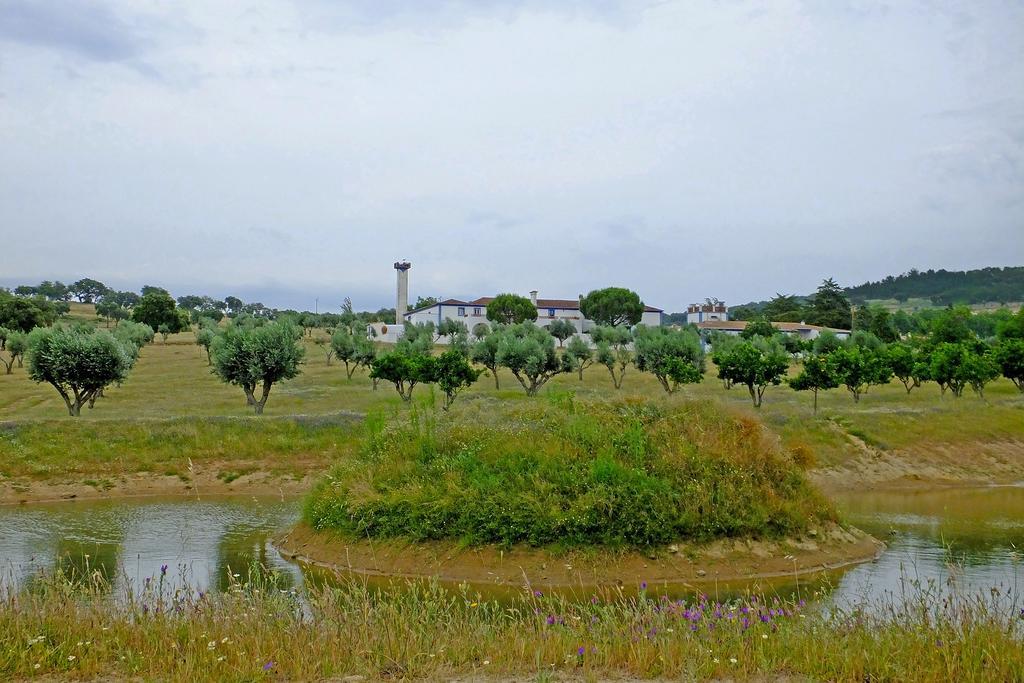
pixel 973 538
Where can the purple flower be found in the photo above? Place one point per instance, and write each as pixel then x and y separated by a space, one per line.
pixel 163 570
pixel 594 601
pixel 551 620
pixel 643 585
pixel 538 594
pixel 268 666
pixel 581 650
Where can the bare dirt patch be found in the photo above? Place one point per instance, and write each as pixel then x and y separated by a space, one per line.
pixel 826 548
pixel 210 479
pixel 926 465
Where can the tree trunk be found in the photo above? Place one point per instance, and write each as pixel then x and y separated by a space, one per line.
pixel 258 405
pixel 815 401
pixel 753 396
pixel 494 371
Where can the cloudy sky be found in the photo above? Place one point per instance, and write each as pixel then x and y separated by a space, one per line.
pixel 287 151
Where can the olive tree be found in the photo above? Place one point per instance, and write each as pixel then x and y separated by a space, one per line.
pixel 613 350
pixel 457 333
pixel 674 356
pixel 529 353
pixel 14 345
pixel 580 355
pixel 561 330
pixel 511 309
pixel 78 364
pixel 755 363
pixel 257 357
pixel 612 306
pixel 204 338
pixel 405 368
pixel 481 330
pixel 485 352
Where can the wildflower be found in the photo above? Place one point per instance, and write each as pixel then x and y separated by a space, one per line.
pixel 36 666
pixel 474 604
pixel 163 570
pixel 212 644
pixel 538 594
pixel 732 660
pixel 270 665
pixel 72 658
pixel 221 658
pixel 486 662
pixel 224 639
pixel 716 661
pixel 764 636
pixel 643 585
pixel 581 650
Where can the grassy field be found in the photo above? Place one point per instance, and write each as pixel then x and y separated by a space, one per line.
pixel 70 627
pixel 170 393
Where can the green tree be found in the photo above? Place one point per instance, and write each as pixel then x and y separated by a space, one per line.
pixel 18 313
pixel 980 369
pixel 452 373
pixel 760 327
pixel 405 367
pixel 457 334
pixel 674 356
pixel 826 342
pixel 79 365
pixel 613 350
pixel 480 330
pixel 829 307
pixel 485 352
pixel 784 308
pixel 425 302
pixel 352 349
pixel 156 308
pixel 561 330
pixel 1009 357
pixel 511 309
pixel 135 334
pixel 88 290
pixel 951 326
pixel 580 355
pixel 859 367
pixel 111 311
pixel 529 353
pixel 756 363
pixel 257 357
pixel 612 306
pixel 204 338
pixel 817 374
pixel 15 344
pixel 904 361
pixel 1012 327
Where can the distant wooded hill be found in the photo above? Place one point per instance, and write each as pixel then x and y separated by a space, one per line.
pixel 943 287
pixel 940 287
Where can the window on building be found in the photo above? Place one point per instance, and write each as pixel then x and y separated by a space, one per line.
pixel 476 311
pixel 462 310
pixel 551 313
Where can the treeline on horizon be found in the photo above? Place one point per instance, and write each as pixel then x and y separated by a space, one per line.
pixel 940 287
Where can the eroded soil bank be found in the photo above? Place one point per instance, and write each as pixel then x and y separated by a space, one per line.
pixel 926 466
pixel 823 549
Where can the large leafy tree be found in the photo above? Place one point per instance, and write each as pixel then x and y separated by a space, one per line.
pixel 1012 327
pixel 905 360
pixel 452 373
pixel 612 306
pixel 858 367
pixel 784 308
pixel 511 309
pixel 20 313
pixel 157 309
pixel 77 363
pixel 404 367
pixel 257 357
pixel 829 307
pixel 88 290
pixel 818 374
pixel 951 326
pixel 1008 355
pixel 674 356
pixel 613 350
pixel 351 349
pixel 756 363
pixel 529 353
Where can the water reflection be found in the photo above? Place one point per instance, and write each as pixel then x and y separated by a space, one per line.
pixel 971 539
pixel 201 542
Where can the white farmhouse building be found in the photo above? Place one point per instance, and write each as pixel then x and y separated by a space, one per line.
pixel 548 310
pixel 801 330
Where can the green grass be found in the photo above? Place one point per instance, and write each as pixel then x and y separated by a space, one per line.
pixel 613 474
pixel 74 627
pixel 139 426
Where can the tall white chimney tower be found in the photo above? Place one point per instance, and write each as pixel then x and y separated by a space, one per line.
pixel 402 303
pixel 533 296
